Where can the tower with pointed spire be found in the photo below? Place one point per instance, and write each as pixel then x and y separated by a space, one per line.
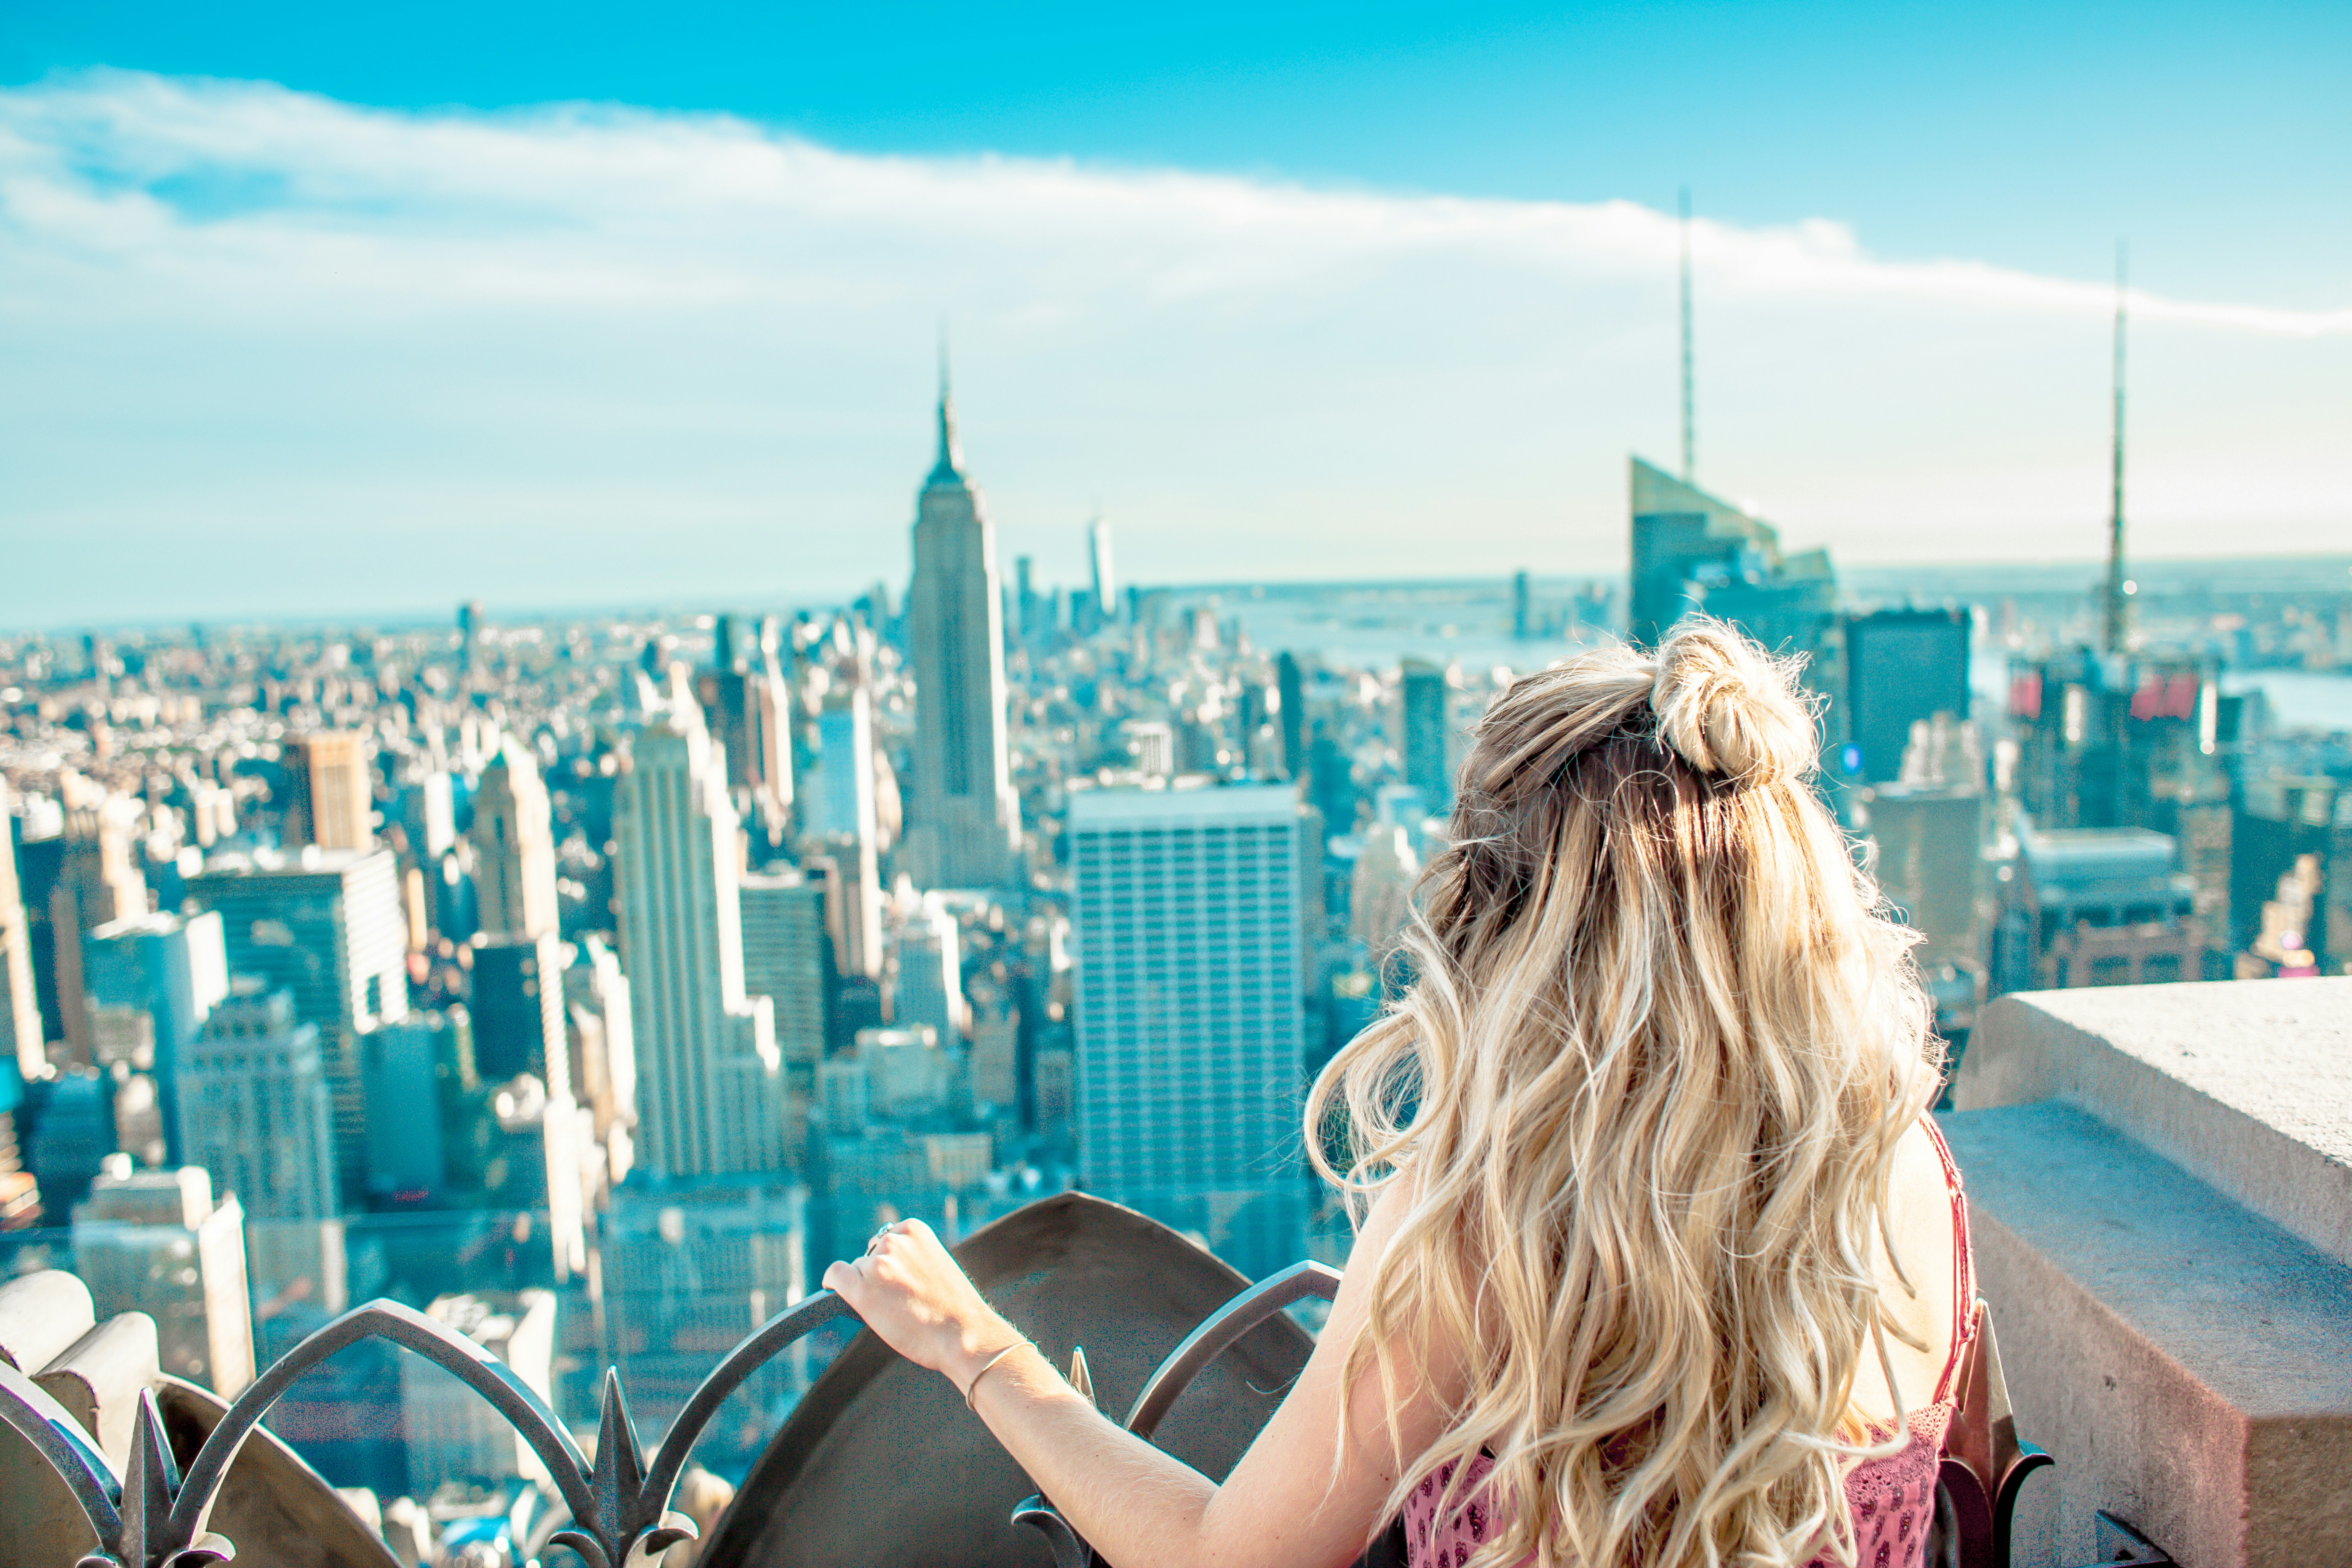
pixel 2116 630
pixel 964 822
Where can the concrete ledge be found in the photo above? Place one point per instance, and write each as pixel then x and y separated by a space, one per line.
pixel 2187 1362
pixel 2245 1085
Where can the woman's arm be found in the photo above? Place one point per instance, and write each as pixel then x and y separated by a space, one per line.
pixel 1136 1506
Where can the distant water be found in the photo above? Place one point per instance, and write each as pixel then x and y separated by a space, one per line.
pixel 1376 626
pixel 2299 699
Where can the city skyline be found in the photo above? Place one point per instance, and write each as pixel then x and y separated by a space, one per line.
pixel 529 342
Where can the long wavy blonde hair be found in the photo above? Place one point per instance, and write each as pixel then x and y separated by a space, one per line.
pixel 1647 1086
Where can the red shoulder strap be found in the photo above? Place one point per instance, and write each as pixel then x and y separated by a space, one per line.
pixel 1964 1277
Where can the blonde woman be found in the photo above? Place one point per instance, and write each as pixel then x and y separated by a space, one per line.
pixel 1661 1261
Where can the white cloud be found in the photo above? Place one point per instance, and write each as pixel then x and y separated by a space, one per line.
pixel 586 353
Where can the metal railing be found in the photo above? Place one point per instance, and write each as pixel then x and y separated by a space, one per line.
pixel 152 1517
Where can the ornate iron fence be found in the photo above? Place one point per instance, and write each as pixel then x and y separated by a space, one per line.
pixel 153 1517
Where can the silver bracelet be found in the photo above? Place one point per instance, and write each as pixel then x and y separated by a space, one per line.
pixel 971 1388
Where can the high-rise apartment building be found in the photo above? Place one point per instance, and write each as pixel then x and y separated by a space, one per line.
pixel 327 928
pixel 253 1102
pixel 1190 1027
pixel 965 820
pixel 514 847
pixel 156 1242
pixel 709 1090
pixel 333 797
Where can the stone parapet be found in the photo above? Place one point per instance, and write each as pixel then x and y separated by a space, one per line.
pixel 2161 1184
pixel 2246 1086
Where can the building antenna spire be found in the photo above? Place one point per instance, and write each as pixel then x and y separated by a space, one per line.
pixel 1690 430
pixel 2118 616
pixel 950 460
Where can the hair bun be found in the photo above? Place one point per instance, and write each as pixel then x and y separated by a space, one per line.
pixel 1728 707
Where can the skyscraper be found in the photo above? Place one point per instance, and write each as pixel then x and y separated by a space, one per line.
pixel 333 803
pixel 1427 693
pixel 785 960
pixel 966 820
pixel 20 1008
pixel 1290 688
pixel 710 1095
pixel 514 847
pixel 744 702
pixel 1190 1028
pixel 844 818
pixel 1105 600
pixel 174 969
pixel 516 1004
pixel 1694 550
pixel 327 928
pixel 254 1098
pixel 1901 668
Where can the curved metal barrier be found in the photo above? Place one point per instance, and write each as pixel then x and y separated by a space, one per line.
pixel 1218 1333
pixel 153 1517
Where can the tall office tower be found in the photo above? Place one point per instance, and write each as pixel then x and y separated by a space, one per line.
pixel 97 882
pixel 1028 616
pixel 1522 606
pixel 156 1242
pixel 783 960
pixel 1901 668
pixel 20 1005
pixel 966 829
pixel 514 847
pixel 253 1099
pixel 1692 551
pixel 927 956
pixel 515 1001
pixel 333 804
pixel 1190 1029
pixel 1104 611
pixel 408 1164
pixel 326 927
pixel 470 627
pixel 745 702
pixel 428 815
pixel 1290 688
pixel 709 1091
pixel 174 969
pixel 1428 691
pixel 850 813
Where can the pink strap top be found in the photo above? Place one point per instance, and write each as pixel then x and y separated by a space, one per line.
pixel 1891 1500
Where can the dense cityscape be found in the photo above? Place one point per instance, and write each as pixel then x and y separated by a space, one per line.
pixel 590 982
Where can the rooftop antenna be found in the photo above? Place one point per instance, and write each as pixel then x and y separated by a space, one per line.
pixel 1690 434
pixel 2118 615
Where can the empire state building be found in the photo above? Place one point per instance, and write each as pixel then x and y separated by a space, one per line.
pixel 966 819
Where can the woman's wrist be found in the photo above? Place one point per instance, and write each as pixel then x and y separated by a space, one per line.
pixel 974 1343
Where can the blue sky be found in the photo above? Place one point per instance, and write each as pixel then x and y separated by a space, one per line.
pixel 1284 290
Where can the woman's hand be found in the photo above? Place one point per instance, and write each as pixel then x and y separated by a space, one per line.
pixel 911 1292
